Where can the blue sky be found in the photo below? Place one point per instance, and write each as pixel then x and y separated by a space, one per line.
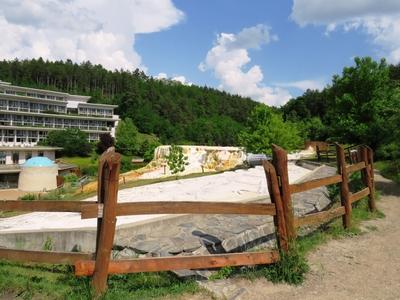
pixel 267 50
pixel 299 54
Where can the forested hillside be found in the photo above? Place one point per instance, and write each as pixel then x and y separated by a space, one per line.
pixel 362 105
pixel 176 113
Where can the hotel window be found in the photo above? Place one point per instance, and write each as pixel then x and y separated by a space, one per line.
pixel 2 158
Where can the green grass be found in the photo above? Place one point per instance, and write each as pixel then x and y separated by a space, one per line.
pixel 28 281
pixel 389 169
pixel 80 161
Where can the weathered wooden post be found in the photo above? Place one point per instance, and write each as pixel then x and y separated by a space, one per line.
pixel 368 174
pixel 109 166
pixel 280 162
pixel 318 153
pixel 344 185
pixel 279 218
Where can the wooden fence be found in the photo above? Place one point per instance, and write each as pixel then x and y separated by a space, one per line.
pixel 106 209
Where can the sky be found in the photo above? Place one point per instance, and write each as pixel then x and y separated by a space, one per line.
pixel 268 50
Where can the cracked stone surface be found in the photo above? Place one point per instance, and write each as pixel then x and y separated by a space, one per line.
pixel 210 234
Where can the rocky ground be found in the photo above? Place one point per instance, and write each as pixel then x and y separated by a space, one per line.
pixel 366 266
pixel 200 235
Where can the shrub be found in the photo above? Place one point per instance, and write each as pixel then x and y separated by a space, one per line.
pixel 126 163
pixel 28 197
pixel 176 160
pixel 106 141
pixel 71 177
pixel 89 170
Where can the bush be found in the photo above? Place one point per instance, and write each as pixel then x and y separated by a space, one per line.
pixel 126 164
pixel 147 150
pixel 71 177
pixel 89 170
pixel 106 141
pixel 28 197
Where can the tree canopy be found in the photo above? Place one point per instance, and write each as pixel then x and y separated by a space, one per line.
pixel 73 141
pixel 266 127
pixel 165 108
pixel 360 106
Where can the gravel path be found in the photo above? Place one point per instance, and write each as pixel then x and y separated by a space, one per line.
pixel 363 267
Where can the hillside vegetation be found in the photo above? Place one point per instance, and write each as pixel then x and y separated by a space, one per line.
pixel 174 112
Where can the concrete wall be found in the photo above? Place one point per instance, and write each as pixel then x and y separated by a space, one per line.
pixel 36 179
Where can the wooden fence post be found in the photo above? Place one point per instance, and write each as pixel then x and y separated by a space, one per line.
pixel 344 185
pixel 280 162
pixel 318 153
pixel 279 218
pixel 368 174
pixel 109 166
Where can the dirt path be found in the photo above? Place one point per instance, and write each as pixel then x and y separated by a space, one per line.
pixel 364 267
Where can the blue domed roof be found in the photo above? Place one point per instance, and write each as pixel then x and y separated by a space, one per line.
pixel 38 161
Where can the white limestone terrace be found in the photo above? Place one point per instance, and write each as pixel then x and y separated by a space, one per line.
pixel 232 186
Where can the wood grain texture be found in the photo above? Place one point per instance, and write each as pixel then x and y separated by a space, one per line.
pixel 320 217
pixel 279 218
pixel 184 207
pixel 50 257
pixel 344 186
pixel 280 162
pixel 359 195
pixel 315 183
pixel 43 206
pixel 107 194
pixel 86 268
pixel 368 175
pixel 355 167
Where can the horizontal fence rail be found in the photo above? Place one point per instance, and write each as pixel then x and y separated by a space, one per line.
pixel 106 210
pixel 315 183
pixel 181 207
pixel 43 205
pixel 48 257
pixel 319 217
pixel 359 195
pixel 86 268
pixel 355 167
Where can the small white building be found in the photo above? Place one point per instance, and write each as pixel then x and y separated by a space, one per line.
pixel 12 157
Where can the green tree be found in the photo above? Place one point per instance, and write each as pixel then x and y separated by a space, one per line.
pixel 127 137
pixel 176 160
pixel 361 97
pixel 73 141
pixel 106 141
pixel 266 127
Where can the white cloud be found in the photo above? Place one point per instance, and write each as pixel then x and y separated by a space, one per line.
pixel 82 30
pixel 380 20
pixel 161 76
pixel 179 78
pixel 229 58
pixel 303 84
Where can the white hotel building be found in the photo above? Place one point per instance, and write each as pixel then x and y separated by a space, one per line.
pixel 27 115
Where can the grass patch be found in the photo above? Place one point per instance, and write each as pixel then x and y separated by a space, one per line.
pixel 27 281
